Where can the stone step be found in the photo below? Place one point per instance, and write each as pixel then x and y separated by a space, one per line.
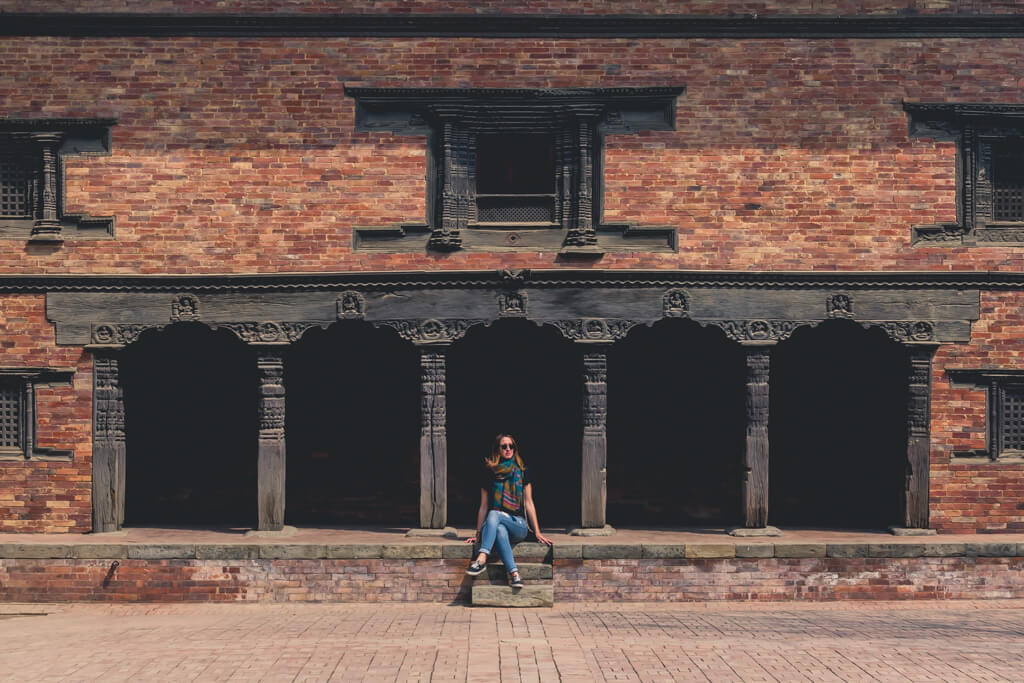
pixel 530 572
pixel 486 595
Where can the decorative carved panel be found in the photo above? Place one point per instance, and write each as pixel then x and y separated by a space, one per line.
pixel 428 331
pixel 676 304
pixel 594 329
pixel 185 308
pixel 351 305
pixel 839 306
pixel 512 304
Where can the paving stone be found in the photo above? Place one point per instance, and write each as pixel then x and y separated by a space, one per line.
pixel 446 532
pixel 100 551
pixel 793 550
pixel 663 551
pixel 567 551
pixel 412 551
pixel 34 551
pixel 227 551
pixel 908 531
pixel 991 549
pixel 1020 550
pixel 745 532
pixel 710 550
pixel 608 551
pixel 755 550
pixel 944 550
pixel 292 551
pixel 457 551
pixel 895 550
pixel 486 595
pixel 846 550
pixel 353 551
pixel 532 551
pixel 606 530
pixel 528 571
pixel 157 551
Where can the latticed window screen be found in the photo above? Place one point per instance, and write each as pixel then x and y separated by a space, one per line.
pixel 11 412
pixel 1012 417
pixel 1008 181
pixel 14 177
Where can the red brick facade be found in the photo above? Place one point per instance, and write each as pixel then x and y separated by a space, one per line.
pixel 575 580
pixel 241 155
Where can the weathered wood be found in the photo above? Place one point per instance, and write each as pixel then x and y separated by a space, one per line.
pixel 108 450
pixel 755 456
pixel 595 441
pixel 271 465
pixel 916 495
pixel 433 437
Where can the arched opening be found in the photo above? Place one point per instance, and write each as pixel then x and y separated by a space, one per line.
pixel 191 426
pixel 527 380
pixel 352 428
pixel 676 424
pixel 837 428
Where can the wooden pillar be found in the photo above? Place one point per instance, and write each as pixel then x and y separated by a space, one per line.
pixel 595 438
pixel 108 443
pixel 271 466
pixel 755 456
pixel 47 225
pixel 433 437
pixel 916 495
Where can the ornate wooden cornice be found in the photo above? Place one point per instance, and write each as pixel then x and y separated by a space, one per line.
pixel 512 26
pixel 541 278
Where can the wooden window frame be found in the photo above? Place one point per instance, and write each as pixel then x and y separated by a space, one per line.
pixel 28 380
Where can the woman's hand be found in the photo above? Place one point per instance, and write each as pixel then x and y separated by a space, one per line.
pixel 471 539
pixel 544 539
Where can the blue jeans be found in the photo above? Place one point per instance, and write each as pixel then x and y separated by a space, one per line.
pixel 506 529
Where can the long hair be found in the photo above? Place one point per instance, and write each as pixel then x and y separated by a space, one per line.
pixel 495 455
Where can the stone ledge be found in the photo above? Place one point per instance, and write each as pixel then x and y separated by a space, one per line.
pixel 485 595
pixel 526 552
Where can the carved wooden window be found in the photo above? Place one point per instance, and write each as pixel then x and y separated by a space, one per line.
pixel 32 177
pixel 12 414
pixel 1008 180
pixel 990 159
pixel 515 169
pixel 515 180
pixel 1008 419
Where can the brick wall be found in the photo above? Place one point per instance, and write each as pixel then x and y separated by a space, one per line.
pixel 240 155
pixel 700 7
pixel 47 496
pixel 574 580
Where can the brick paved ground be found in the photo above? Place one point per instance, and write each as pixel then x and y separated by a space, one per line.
pixel 949 641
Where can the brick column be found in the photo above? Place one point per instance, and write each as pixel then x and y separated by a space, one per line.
pixel 433 437
pixel 755 455
pixel 916 494
pixel 595 439
pixel 271 465
pixel 108 442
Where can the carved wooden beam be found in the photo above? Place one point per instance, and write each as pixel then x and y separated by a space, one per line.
pixel 271 465
pixel 756 453
pixel 595 439
pixel 916 495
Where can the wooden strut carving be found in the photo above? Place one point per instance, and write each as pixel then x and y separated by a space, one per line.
pixel 432 330
pixel 456 194
pixel 593 329
pixel 108 460
pixel 581 227
pixel 756 453
pixel 433 438
pixel 271 444
pixel 918 435
pixel 595 443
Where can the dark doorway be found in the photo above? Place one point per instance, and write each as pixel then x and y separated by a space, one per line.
pixel 527 380
pixel 352 425
pixel 191 428
pixel 676 421
pixel 837 428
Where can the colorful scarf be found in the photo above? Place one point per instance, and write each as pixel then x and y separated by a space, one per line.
pixel 507 491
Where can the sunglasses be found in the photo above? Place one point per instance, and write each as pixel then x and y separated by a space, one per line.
pixel 507 447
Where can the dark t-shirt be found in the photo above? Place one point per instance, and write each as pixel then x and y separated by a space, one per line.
pixel 487 482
